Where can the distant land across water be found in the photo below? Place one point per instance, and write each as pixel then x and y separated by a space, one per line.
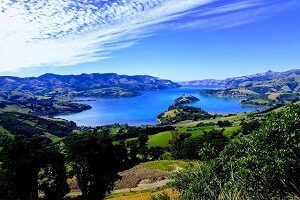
pixel 143 110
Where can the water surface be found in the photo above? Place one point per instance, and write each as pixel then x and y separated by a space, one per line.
pixel 145 108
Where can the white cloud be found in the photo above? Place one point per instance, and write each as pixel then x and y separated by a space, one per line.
pixel 37 33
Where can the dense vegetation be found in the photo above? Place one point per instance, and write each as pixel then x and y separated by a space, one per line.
pixel 181 113
pixel 33 166
pixel 263 164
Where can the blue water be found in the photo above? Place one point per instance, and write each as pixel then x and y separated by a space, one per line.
pixel 145 108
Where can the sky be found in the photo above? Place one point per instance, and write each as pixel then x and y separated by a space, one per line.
pixel 173 39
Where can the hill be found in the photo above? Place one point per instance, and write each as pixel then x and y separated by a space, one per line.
pixel 236 81
pixel 52 94
pixel 266 89
pixel 84 84
pixel 12 124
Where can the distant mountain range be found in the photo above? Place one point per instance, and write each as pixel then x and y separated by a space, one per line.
pixel 53 94
pixel 236 81
pixel 266 89
pixel 84 84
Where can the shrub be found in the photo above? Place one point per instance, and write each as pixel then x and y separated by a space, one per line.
pixel 266 162
pixel 161 196
pixel 262 165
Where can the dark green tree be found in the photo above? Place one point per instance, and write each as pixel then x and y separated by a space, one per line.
pixel 133 150
pixel 250 126
pixel 142 145
pixel 23 159
pixel 211 144
pixel 52 177
pixel 155 153
pixel 94 161
pixel 177 145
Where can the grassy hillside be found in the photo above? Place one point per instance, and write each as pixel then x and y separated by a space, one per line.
pixel 28 125
pixel 277 90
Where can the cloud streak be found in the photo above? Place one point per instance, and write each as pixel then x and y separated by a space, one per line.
pixel 37 33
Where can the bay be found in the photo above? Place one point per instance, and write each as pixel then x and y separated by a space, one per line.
pixel 143 110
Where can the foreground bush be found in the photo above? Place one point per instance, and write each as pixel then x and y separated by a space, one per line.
pixel 262 165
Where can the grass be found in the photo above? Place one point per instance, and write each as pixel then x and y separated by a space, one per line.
pixel 15 108
pixel 114 130
pixel 53 138
pixel 63 99
pixel 166 165
pixel 196 131
pixel 273 96
pixel 160 139
pixel 5 132
pixel 141 195
pixel 30 123
pixel 170 113
pixel 232 118
pixel 229 131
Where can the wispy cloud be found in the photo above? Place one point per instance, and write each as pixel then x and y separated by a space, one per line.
pixel 66 32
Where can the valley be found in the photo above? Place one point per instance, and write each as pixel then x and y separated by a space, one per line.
pixel 150 159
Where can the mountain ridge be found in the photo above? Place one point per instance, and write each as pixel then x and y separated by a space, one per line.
pixel 235 81
pixel 263 89
pixel 51 94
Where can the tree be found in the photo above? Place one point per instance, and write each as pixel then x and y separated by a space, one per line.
pixel 155 153
pixel 225 123
pixel 22 161
pixel 177 144
pixel 211 144
pixel 94 161
pixel 132 146
pixel 250 126
pixel 52 177
pixel 207 146
pixel 142 145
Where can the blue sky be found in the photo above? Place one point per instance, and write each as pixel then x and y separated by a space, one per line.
pixel 186 40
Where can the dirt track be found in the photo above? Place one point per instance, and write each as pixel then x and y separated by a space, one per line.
pixel 140 178
pixel 137 178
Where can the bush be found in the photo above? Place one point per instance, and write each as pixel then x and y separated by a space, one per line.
pixel 225 123
pixel 161 196
pixel 167 156
pixel 263 165
pixel 196 182
pixel 206 147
